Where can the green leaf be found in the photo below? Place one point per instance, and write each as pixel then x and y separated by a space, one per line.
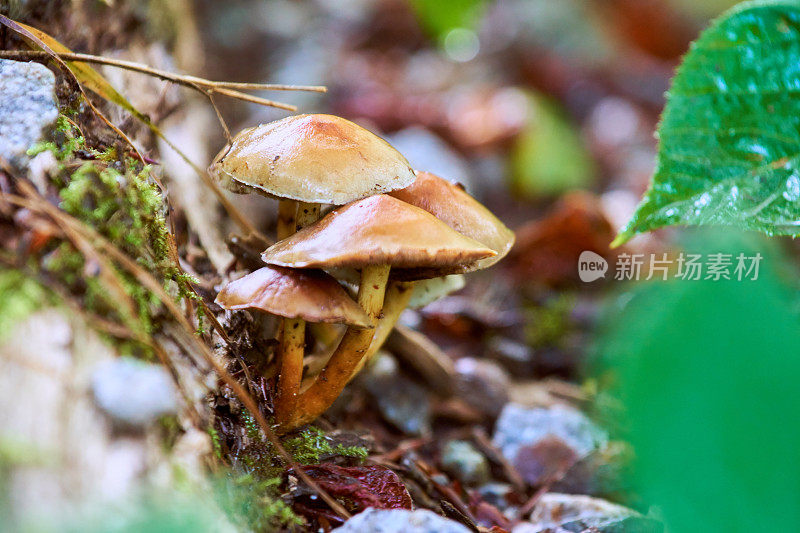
pixel 729 150
pixel 708 372
pixel 548 157
pixel 439 17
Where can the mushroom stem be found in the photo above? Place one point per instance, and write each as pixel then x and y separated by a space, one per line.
pixel 352 348
pixel 293 343
pixel 290 333
pixel 286 218
pixel 398 294
pixel 307 214
pixel 293 337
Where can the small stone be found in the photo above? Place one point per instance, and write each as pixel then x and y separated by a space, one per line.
pixel 482 384
pixel 496 493
pixel 578 513
pixel 401 402
pixel 28 106
pixel 400 521
pixel 548 459
pixel 516 357
pixel 520 429
pixel 629 524
pixel 462 460
pixel 132 392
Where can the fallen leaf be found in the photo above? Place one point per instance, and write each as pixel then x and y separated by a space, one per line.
pixel 359 487
pixel 548 249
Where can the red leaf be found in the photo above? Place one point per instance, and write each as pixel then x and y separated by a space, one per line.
pixel 359 487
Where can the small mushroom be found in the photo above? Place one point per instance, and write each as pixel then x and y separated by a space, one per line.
pixel 379 230
pixel 451 204
pixel 374 235
pixel 322 159
pixel 298 295
pixel 308 294
pixel 305 161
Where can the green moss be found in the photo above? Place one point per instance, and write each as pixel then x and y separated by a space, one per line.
pixel 117 197
pixel 251 426
pixel 66 141
pixel 215 442
pixel 312 444
pixel 20 295
pixel 547 324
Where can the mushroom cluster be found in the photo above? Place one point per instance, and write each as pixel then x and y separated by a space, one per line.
pixel 405 237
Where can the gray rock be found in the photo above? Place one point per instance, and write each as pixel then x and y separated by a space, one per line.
pixel 482 384
pixel 400 401
pixel 520 427
pixel 462 460
pixel 577 513
pixel 132 392
pixel 400 521
pixel 28 105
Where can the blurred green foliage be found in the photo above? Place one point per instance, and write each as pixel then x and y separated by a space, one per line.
pixel 439 17
pixel 20 295
pixel 549 157
pixel 708 373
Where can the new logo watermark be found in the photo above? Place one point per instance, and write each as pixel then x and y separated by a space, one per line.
pixel 685 266
pixel 591 266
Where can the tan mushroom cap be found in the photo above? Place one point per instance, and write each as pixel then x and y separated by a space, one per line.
pixel 312 158
pixel 379 230
pixel 452 205
pixel 308 294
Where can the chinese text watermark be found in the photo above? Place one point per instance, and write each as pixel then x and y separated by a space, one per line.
pixel 686 266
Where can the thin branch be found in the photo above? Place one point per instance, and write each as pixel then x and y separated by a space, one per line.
pixel 222 87
pixel 170 76
pixel 253 99
pixel 225 129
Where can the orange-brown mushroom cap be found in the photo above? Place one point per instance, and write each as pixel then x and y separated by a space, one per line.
pixel 379 230
pixel 312 158
pixel 308 294
pixel 452 205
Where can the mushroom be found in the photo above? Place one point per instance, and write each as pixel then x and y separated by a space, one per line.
pixel 298 295
pixel 374 235
pixel 452 205
pixel 319 159
pixel 305 161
